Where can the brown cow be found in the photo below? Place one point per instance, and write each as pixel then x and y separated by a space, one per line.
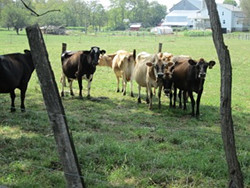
pixel 106 60
pixel 189 76
pixel 15 72
pixel 149 72
pixel 79 65
pixel 123 66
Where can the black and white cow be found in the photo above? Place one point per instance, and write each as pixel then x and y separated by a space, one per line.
pixel 79 65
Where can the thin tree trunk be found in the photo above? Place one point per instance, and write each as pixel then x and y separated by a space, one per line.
pixel 227 129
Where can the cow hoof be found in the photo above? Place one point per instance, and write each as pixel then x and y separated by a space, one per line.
pixel 62 94
pixel 132 95
pixel 124 93
pixel 12 109
pixel 147 100
pixel 23 110
pixel 117 91
pixel 80 97
pixel 139 100
pixel 88 97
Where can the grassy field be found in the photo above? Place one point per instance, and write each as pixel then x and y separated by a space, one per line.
pixel 121 143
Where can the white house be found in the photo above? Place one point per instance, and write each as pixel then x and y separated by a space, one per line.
pixel 194 14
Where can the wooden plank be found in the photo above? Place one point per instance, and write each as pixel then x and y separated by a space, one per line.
pixel 54 108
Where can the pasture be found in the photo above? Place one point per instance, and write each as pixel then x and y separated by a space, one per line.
pixel 120 143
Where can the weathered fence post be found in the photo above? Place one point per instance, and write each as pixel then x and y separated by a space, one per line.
pixel 227 128
pixel 160 47
pixel 54 108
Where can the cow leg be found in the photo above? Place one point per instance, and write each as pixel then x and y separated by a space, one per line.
pixel 175 93
pixel 150 96
pixel 184 100
pixel 23 91
pixel 198 103
pixel 147 98
pixel 70 86
pixel 179 95
pixel 89 85
pixel 124 85
pixel 131 88
pixel 139 94
pixel 170 99
pixel 118 83
pixel 80 86
pixel 63 84
pixel 159 97
pixel 12 96
pixel 192 101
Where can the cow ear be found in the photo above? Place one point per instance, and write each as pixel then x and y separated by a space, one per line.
pixel 192 62
pixel 103 51
pixel 170 64
pixel 211 64
pixel 150 64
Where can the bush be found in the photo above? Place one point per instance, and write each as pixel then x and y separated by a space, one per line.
pixel 198 33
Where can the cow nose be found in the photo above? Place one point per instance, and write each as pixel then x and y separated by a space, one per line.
pixel 167 92
pixel 160 75
pixel 202 75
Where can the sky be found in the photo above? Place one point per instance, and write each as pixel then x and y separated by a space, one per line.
pixel 168 3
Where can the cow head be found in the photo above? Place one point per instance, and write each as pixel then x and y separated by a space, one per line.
pixel 157 66
pixel 201 67
pixel 94 55
pixel 167 78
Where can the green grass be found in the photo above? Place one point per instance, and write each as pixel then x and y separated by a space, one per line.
pixel 121 143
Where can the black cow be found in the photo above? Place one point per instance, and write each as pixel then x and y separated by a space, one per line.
pixel 189 75
pixel 79 65
pixel 15 72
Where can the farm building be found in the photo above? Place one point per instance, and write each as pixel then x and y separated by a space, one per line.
pixel 135 26
pixel 194 14
pixel 162 30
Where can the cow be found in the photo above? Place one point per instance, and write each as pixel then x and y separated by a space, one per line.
pixel 189 76
pixel 149 72
pixel 15 72
pixel 78 65
pixel 123 66
pixel 106 60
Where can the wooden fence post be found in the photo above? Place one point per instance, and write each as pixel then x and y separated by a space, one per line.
pixel 54 108
pixel 160 47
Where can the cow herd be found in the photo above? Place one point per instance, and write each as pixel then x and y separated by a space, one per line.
pixel 161 71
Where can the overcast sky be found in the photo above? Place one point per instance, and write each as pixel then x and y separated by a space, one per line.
pixel 168 3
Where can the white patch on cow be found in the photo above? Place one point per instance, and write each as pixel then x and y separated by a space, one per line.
pixel 95 49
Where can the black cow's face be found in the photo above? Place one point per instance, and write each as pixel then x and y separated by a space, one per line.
pixel 201 67
pixel 95 53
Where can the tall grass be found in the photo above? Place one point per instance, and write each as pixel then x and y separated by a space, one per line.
pixel 121 143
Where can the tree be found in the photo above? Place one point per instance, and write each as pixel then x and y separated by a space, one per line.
pixel 230 2
pixel 14 16
pixel 156 13
pixel 227 128
pixel 245 5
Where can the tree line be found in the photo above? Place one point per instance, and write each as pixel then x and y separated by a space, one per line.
pixel 89 15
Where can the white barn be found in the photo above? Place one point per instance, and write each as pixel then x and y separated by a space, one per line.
pixel 194 14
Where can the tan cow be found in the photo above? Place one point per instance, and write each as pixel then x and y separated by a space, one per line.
pixel 149 72
pixel 106 60
pixel 123 66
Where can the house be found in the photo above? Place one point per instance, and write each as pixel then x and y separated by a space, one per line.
pixel 135 26
pixel 193 14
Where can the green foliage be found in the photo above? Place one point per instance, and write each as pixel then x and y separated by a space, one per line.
pixel 230 2
pixel 120 143
pixel 197 33
pixel 14 16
